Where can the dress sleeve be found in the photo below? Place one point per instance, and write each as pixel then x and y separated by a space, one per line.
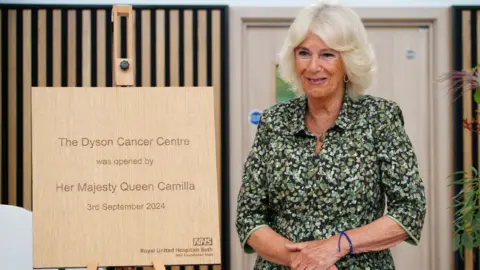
pixel 252 197
pixel 400 177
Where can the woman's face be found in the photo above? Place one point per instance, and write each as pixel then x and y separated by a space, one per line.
pixel 320 68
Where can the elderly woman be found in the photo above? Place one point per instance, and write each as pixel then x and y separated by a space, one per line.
pixel 324 165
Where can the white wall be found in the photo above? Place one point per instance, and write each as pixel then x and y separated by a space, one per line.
pixel 356 3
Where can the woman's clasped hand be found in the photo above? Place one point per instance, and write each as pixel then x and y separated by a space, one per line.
pixel 317 254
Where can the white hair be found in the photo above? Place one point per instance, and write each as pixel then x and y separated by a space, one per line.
pixel 342 30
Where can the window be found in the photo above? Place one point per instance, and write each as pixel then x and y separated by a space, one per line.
pixel 282 89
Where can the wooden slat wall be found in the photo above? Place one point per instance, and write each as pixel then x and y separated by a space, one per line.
pixel 466 54
pixel 70 46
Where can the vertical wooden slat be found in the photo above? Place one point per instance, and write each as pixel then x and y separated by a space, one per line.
pixel 216 80
pixel 467 112
pixel 202 48
pixel 101 49
pixel 188 48
pixel 116 53
pixel 160 41
pixel 146 44
pixel 72 47
pixel 131 51
pixel 42 48
pixel 12 107
pixel 174 48
pixel 478 62
pixel 86 49
pixel 173 55
pixel 57 48
pixel 2 47
pixel 27 118
pixel 478 44
pixel 131 36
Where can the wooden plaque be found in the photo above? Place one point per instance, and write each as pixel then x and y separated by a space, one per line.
pixel 124 176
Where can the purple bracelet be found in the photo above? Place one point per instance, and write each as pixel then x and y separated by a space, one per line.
pixel 342 233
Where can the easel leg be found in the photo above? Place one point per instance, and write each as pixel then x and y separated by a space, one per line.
pixel 92 266
pixel 158 265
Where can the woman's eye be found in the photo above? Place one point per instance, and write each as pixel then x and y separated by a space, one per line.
pixel 303 53
pixel 328 54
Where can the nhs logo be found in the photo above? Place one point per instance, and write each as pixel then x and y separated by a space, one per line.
pixel 202 241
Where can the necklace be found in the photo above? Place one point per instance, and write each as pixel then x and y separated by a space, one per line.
pixel 321 137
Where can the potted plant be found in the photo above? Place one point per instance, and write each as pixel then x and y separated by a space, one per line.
pixel 466 223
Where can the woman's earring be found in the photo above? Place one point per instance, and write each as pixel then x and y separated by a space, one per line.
pixel 345 78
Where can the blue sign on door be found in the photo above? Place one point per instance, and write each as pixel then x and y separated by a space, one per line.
pixel 255 117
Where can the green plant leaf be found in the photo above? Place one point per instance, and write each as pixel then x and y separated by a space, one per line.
pixel 466 223
pixel 477 222
pixel 457 172
pixel 475 172
pixel 476 95
pixel 458 182
pixel 467 240
pixel 456 242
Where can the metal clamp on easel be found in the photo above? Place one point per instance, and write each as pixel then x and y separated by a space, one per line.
pixel 123 68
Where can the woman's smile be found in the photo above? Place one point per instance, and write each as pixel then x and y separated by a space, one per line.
pixel 317 80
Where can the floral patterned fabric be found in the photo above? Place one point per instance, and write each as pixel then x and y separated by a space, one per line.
pixel 367 164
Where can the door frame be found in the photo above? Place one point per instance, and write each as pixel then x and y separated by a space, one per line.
pixel 439 194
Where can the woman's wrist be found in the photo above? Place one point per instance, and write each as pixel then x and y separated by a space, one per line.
pixel 270 246
pixel 342 245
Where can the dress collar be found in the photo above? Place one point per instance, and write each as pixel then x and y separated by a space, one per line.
pixel 344 120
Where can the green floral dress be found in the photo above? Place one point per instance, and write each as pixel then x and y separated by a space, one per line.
pixel 367 164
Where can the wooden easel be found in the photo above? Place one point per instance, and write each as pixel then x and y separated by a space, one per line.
pixel 157 265
pixel 123 75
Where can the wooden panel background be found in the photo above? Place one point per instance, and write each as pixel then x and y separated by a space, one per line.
pixel 71 46
pixel 466 54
